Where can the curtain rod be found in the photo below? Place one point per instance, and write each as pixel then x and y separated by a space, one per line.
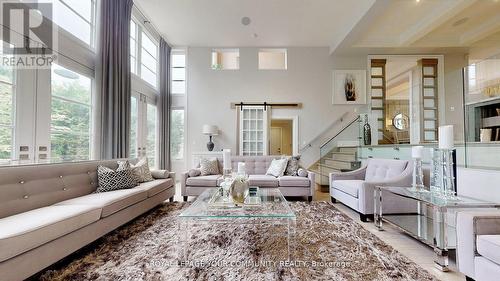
pixel 265 104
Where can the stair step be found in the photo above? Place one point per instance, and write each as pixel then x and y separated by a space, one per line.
pixel 348 149
pixel 342 157
pixel 325 170
pixel 343 165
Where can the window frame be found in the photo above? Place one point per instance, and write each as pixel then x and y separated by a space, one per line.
pixel 133 68
pixel 179 102
pixel 273 50
pixel 93 24
pixel 12 126
pixel 224 50
pixel 91 106
pixel 179 52
pixel 140 30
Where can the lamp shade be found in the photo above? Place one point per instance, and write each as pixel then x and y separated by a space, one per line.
pixel 211 130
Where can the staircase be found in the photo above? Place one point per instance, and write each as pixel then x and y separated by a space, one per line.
pixel 339 159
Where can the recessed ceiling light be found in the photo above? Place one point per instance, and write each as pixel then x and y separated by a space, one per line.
pixel 460 21
pixel 245 20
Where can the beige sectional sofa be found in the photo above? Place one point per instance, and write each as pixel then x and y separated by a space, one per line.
pixel 49 211
pixel 256 168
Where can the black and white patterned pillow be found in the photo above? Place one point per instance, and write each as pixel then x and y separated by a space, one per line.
pixel 209 166
pixel 121 178
pixel 293 166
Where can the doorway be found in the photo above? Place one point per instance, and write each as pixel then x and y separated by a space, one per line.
pixel 281 137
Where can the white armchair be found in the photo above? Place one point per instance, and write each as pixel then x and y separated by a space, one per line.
pixel 355 189
pixel 478 244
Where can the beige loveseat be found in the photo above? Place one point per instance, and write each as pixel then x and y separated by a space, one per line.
pixel 49 211
pixel 256 168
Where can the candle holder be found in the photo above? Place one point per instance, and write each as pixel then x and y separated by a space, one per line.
pixel 418 176
pixel 448 183
pixel 436 172
pixel 443 174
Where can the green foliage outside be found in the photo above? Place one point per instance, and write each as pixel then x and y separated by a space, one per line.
pixel 177 134
pixel 6 110
pixel 70 126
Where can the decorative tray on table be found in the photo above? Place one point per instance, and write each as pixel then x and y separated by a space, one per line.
pixel 218 201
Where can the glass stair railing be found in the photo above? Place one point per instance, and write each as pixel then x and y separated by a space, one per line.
pixel 339 153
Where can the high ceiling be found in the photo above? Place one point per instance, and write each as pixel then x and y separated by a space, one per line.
pixel 346 26
pixel 273 22
pixel 425 26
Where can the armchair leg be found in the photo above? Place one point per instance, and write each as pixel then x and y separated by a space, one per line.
pixel 364 218
pixel 333 199
pixel 309 198
pixel 185 198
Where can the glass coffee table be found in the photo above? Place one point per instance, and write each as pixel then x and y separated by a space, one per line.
pixel 274 210
pixel 433 221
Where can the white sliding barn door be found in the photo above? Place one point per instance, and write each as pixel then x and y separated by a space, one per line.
pixel 253 133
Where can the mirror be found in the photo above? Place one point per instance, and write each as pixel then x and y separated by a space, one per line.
pixel 401 121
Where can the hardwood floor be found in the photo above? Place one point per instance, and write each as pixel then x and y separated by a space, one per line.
pixel 416 251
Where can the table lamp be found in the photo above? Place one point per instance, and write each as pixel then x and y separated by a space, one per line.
pixel 210 130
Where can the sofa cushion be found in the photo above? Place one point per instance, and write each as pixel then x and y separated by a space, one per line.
pixel 111 201
pixel 203 180
pixel 141 170
pixel 263 180
pixel 277 167
pixel 209 166
pixel 156 186
pixel 350 187
pixel 294 181
pixel 488 246
pixel 384 169
pixel 121 178
pixel 25 231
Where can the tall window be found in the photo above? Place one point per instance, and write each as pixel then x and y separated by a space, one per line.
pixel 77 17
pixel 178 72
pixel 143 54
pixel 133 47
pixel 133 128
pixel 149 60
pixel 152 127
pixel 7 104
pixel 70 132
pixel 177 134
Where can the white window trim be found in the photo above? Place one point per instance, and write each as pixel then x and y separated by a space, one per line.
pixel 182 51
pixel 273 50
pixel 13 120
pixel 138 83
pixel 93 142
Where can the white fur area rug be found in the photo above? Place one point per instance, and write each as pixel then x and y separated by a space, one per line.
pixel 329 246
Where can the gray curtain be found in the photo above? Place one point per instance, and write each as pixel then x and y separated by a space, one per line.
pixel 113 77
pixel 164 106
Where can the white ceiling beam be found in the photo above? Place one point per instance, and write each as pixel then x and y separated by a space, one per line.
pixel 484 30
pixel 435 18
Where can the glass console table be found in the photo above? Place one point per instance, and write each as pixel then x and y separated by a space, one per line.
pixel 273 216
pixel 433 221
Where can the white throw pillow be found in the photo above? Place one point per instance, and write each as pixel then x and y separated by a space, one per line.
pixel 209 166
pixel 141 170
pixel 277 167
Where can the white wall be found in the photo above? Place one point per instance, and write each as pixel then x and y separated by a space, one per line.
pixel 307 80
